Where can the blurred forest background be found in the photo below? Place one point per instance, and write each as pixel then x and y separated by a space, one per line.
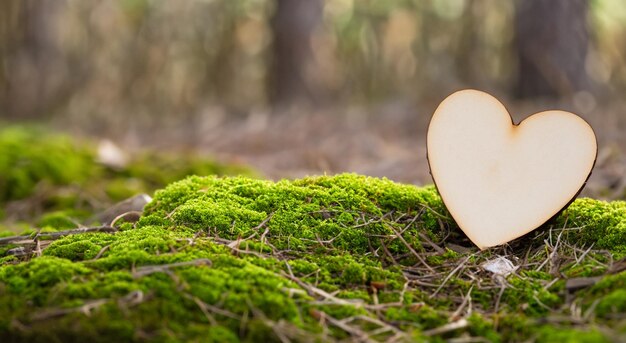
pixel 295 87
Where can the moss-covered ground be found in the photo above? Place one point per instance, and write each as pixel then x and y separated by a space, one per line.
pixel 327 258
pixel 43 172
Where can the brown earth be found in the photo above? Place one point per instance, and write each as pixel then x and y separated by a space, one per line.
pixel 388 141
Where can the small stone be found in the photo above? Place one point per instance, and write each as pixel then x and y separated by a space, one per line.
pixel 578 283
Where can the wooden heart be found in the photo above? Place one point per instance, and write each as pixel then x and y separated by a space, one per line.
pixel 499 180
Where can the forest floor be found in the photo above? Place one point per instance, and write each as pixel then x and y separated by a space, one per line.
pixel 326 258
pixel 384 141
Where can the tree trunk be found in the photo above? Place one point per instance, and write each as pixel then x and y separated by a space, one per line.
pixel 31 81
pixel 551 38
pixel 10 37
pixel 293 25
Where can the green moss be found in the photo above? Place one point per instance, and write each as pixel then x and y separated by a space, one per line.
pixel 240 259
pixel 530 296
pixel 76 247
pixel 423 316
pixel 238 286
pixel 483 327
pixel 569 335
pixel 28 157
pixel 120 188
pixel 608 296
pixel 33 280
pixel 64 173
pixel 612 304
pixel 304 213
pixel 603 224
pixel 311 219
pixel 442 258
pixel 61 220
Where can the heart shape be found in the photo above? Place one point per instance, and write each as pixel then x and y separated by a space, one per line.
pixel 499 180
